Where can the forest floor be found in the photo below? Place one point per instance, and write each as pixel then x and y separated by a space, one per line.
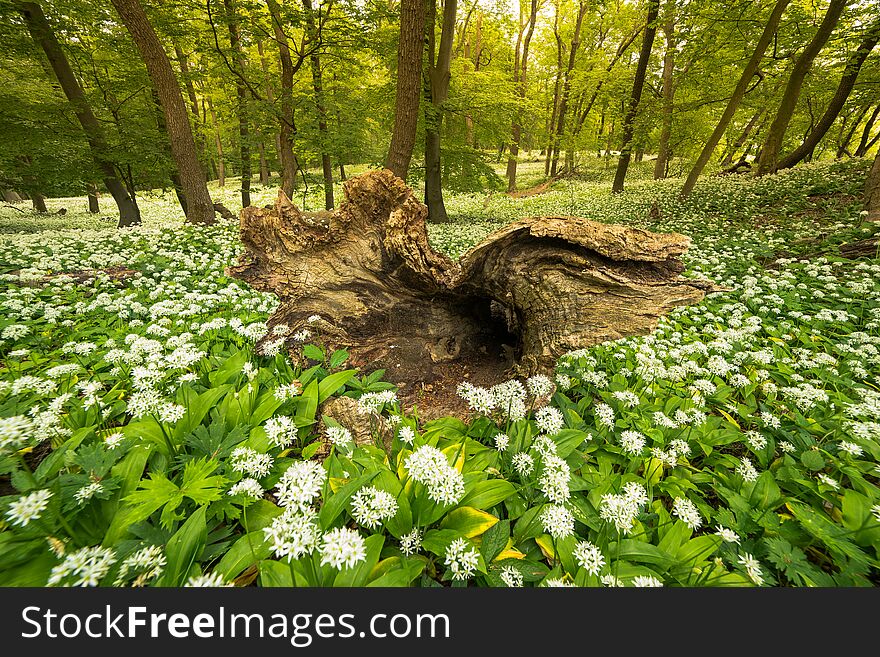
pixel 782 365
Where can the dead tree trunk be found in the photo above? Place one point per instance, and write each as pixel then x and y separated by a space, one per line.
pixel 532 290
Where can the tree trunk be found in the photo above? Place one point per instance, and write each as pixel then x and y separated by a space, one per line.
pixel 93 199
pixel 566 86
pixel 264 165
pixel 438 89
pixel 773 140
pixel 638 83
pixel 186 76
pixel 475 54
pixel 872 191
pixel 738 93
pixel 557 83
pixel 527 294
pixel 218 145
pixel 166 146
pixel 519 78
pixel 289 168
pixel 409 86
pixel 43 36
pixel 241 92
pixel 11 196
pixel 183 147
pixel 727 159
pixel 270 98
pixel 320 104
pixel 847 82
pixel 39 203
pixel 662 163
pixel 866 142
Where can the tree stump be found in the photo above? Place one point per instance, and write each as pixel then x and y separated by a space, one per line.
pixel 364 278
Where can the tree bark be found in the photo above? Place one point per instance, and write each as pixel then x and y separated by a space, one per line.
pixel 241 93
pixel 289 167
pixel 39 203
pixel 93 199
pixel 668 93
pixel 166 146
pixel 218 145
pixel 438 89
pixel 183 147
pixel 866 141
pixel 557 84
pixel 43 36
pixel 844 88
pixel 519 77
pixel 409 86
pixel 727 158
pixel 776 133
pixel 748 72
pixel 320 104
pixel 264 165
pixel 186 76
pixel 638 83
pixel 523 297
pixel 872 191
pixel 566 86
pixel 270 98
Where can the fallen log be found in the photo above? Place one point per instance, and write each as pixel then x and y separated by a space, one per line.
pixel 365 278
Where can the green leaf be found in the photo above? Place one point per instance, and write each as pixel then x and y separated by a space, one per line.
pixel 495 540
pixel 468 521
pixel 338 358
pixel 275 574
pixel 229 369
pixel 486 494
pixel 183 549
pixel 246 551
pixel 311 449
pixel 313 352
pixel 358 575
pixel 812 460
pixel 330 385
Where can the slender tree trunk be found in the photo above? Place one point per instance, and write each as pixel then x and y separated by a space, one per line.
pixel 438 88
pixel 409 86
pixel 639 82
pixel 662 163
pixel 264 165
pixel 520 80
pixel 39 203
pixel 199 205
pixel 270 98
pixel 42 34
pixel 342 175
pixel 872 191
pixel 289 167
pixel 847 82
pixel 557 84
pixel 186 76
pixel 773 140
pixel 241 92
pixel 566 86
pixel 320 104
pixel 218 145
pixel 166 147
pixel 866 142
pixel 475 54
pixel 738 93
pixel 727 159
pixel 93 199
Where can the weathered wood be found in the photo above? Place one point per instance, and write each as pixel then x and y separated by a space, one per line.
pixel 365 278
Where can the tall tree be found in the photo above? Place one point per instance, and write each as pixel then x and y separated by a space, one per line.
pixel 566 85
pixel 241 94
pixel 289 167
pixel 200 209
pixel 844 87
pixel 629 118
pixel 521 62
pixel 314 36
pixel 409 86
pixel 872 191
pixel 738 93
pixel 668 91
pixel 44 36
pixel 438 77
pixel 776 133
